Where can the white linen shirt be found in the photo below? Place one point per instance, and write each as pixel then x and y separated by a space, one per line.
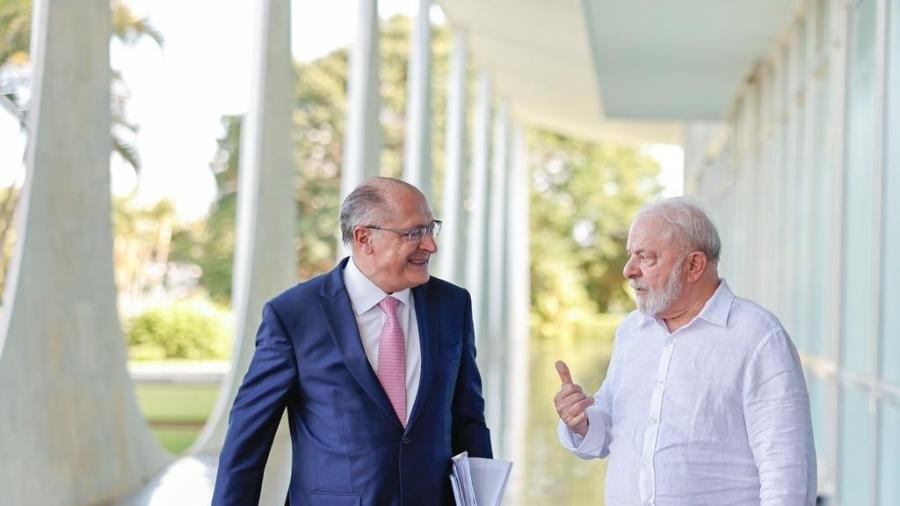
pixel 714 413
pixel 364 297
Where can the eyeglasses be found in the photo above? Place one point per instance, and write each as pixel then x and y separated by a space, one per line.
pixel 414 235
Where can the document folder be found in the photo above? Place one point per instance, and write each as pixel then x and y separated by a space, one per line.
pixel 478 482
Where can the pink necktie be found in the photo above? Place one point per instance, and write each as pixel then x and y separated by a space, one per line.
pixel 392 358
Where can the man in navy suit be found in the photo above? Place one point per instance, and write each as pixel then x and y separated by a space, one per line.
pixel 375 364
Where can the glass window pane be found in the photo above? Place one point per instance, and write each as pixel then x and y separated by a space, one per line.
pixel 802 232
pixel 860 213
pixel 823 25
pixel 855 465
pixel 818 407
pixel 890 337
pixel 889 465
pixel 823 229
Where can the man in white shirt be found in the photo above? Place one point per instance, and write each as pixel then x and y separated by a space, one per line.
pixel 705 400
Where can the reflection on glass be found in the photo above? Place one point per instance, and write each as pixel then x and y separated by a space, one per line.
pixel 860 214
pixel 855 464
pixel 889 467
pixel 890 336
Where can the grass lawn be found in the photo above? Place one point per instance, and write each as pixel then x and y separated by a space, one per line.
pixel 176 413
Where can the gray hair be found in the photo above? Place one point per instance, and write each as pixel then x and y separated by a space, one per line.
pixel 367 200
pixel 689 224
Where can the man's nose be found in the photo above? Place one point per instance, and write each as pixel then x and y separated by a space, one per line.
pixel 630 271
pixel 428 244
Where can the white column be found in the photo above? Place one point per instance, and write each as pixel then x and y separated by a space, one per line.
pixel 452 240
pixel 70 428
pixel 417 146
pixel 476 256
pixel 495 373
pixel 519 308
pixel 362 138
pixel 265 257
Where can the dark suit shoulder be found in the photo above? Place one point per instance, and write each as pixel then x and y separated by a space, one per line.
pixel 444 288
pixel 305 293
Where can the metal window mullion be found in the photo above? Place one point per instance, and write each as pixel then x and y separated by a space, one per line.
pixel 809 112
pixel 881 35
pixel 840 28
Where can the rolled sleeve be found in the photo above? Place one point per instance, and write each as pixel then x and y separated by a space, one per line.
pixel 779 429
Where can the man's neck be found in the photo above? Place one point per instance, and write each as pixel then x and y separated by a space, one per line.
pixel 695 300
pixel 368 271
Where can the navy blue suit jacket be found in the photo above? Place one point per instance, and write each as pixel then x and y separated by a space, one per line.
pixel 349 447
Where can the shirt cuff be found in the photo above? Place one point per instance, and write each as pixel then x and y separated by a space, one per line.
pixel 591 445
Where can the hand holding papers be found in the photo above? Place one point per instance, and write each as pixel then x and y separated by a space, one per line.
pixel 478 482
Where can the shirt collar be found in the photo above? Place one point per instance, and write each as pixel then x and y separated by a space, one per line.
pixel 364 294
pixel 715 311
pixel 718 307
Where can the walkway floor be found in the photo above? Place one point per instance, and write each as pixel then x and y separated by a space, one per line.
pixel 186 482
pixel 189 479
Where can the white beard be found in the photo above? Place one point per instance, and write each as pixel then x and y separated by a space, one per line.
pixel 655 301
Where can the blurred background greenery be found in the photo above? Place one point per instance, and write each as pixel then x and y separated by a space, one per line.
pixel 174 277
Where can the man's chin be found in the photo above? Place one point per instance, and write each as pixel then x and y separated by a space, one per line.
pixel 419 274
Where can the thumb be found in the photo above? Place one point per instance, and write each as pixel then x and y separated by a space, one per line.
pixel 564 375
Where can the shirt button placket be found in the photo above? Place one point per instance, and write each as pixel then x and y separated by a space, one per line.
pixel 651 435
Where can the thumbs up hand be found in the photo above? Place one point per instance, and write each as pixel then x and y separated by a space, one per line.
pixel 571 402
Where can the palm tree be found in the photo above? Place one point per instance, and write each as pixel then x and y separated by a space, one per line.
pixel 15 80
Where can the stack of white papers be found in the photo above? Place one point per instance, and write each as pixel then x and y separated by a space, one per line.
pixel 477 481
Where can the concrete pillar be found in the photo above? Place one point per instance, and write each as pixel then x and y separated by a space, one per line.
pixel 452 240
pixel 476 256
pixel 70 428
pixel 495 373
pixel 417 147
pixel 265 256
pixel 362 138
pixel 518 310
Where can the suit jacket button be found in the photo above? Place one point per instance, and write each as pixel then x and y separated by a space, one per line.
pixel 406 440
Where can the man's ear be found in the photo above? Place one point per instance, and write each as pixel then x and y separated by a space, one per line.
pixel 362 240
pixel 696 263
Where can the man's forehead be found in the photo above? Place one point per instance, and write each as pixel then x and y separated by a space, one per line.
pixel 409 209
pixel 646 232
pixel 646 225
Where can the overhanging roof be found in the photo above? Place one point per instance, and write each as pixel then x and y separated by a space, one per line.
pixel 629 70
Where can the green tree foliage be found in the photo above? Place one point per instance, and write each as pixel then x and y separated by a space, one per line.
pixel 141 248
pixel 210 243
pixel 583 196
pixel 186 330
pixel 15 74
pixel 15 79
pixel 16 23
pixel 319 115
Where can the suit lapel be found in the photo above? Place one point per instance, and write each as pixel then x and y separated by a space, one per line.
pixel 427 319
pixel 338 313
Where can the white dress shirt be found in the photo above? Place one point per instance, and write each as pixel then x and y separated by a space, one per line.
pixel 714 413
pixel 364 297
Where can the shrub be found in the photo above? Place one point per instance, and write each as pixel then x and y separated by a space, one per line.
pixel 184 330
